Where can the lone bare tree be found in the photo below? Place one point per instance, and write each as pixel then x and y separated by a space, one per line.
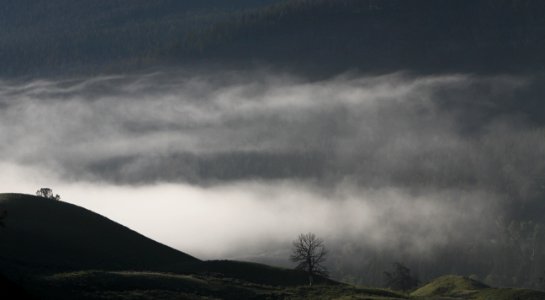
pixel 310 254
pixel 47 193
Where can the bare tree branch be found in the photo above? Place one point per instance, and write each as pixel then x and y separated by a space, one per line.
pixel 309 253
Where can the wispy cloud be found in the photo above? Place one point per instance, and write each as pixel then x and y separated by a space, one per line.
pixel 177 129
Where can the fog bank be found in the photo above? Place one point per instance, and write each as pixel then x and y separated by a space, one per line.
pixel 235 165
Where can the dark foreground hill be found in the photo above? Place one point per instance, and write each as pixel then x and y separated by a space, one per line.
pixel 44 234
pixel 7 287
pixel 54 250
pixel 47 243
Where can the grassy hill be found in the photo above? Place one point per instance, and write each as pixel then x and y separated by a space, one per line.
pixel 54 250
pixel 149 285
pixel 47 243
pixel 458 287
pixel 46 234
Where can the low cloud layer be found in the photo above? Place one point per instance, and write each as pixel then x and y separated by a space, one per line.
pixel 236 164
pixel 257 220
pixel 384 130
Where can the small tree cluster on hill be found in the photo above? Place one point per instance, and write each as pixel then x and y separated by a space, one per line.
pixel 47 193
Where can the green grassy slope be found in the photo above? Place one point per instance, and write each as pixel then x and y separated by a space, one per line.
pixel 449 285
pixel 150 285
pixel 458 287
pixel 154 285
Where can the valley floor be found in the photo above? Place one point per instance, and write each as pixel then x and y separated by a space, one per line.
pixel 155 285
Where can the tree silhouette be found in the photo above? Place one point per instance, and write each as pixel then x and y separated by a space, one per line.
pixel 400 278
pixel 47 193
pixel 310 253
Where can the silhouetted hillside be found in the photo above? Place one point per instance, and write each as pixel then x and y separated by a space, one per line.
pixel 46 234
pixel 54 248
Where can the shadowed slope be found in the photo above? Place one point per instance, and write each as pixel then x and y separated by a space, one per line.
pixel 9 288
pixel 46 234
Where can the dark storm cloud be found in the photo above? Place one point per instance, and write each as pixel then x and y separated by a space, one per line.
pixel 214 168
